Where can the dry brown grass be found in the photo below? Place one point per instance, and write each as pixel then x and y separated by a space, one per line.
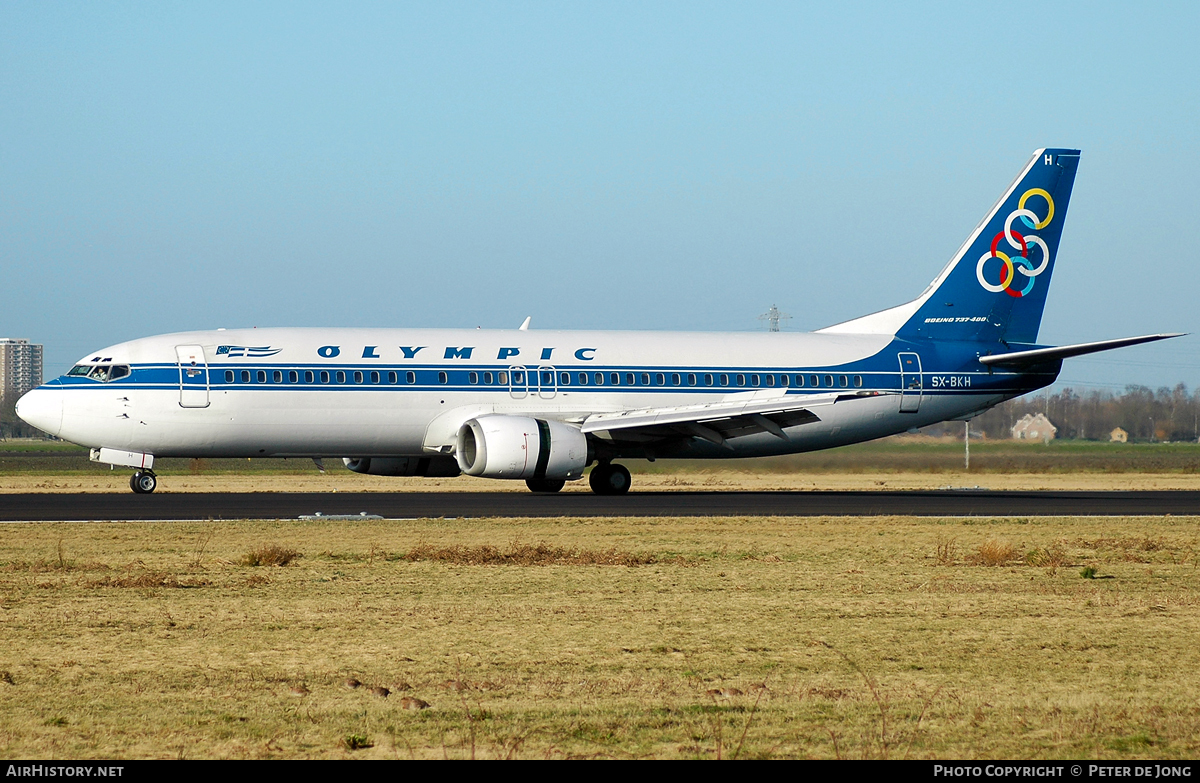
pixel 993 553
pixel 868 642
pixel 269 555
pixel 147 579
pixel 947 551
pixel 520 554
pixel 1053 556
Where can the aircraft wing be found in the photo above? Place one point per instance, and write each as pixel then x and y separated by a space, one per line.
pixel 716 422
pixel 1041 355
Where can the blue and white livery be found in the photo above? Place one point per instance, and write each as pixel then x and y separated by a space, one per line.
pixel 541 406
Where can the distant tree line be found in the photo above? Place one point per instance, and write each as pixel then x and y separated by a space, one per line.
pixel 1147 415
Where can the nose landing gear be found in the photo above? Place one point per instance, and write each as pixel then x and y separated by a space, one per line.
pixel 143 482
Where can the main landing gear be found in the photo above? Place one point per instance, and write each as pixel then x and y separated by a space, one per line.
pixel 605 479
pixel 143 482
pixel 609 479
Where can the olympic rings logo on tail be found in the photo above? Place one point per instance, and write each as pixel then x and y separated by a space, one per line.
pixel 1016 241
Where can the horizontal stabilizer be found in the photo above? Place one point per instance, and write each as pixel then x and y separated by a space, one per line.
pixel 1042 355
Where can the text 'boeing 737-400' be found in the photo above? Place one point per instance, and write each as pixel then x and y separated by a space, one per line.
pixel 541 406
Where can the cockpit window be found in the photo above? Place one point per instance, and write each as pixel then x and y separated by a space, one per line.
pixel 101 372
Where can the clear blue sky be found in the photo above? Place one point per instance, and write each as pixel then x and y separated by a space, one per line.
pixel 174 166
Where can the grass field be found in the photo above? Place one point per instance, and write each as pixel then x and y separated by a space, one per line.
pixel 760 638
pixel 893 463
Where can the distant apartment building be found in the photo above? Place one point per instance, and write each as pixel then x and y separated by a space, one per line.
pixel 20 367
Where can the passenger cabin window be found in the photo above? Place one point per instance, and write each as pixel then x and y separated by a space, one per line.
pixel 374 377
pixel 487 378
pixel 660 379
pixel 410 376
pixel 599 378
pixel 473 377
pixel 341 376
pixel 628 379
pixel 262 376
pixel 675 379
pixel 293 376
pixel 582 379
pixel 724 378
pixel 324 376
pixel 645 379
pixel 393 377
pixel 308 376
pixel 358 376
pixel 443 378
pixel 277 376
pixel 229 376
pixel 843 381
pixel 245 376
pixel 691 379
pixel 740 380
pixel 813 381
pixel 708 379
pixel 829 380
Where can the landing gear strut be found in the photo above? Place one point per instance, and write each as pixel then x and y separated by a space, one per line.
pixel 143 482
pixel 609 479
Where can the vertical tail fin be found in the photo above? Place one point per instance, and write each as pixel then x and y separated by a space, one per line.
pixel 994 289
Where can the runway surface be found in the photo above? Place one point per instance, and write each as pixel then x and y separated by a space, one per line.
pixel 181 506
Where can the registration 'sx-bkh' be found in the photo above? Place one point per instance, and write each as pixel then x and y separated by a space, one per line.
pixel 541 406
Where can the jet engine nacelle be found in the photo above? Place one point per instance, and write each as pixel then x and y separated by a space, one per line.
pixel 519 447
pixel 430 467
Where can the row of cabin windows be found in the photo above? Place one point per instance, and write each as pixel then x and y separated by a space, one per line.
pixel 755 380
pixel 323 376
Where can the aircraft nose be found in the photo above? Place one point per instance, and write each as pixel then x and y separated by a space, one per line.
pixel 43 408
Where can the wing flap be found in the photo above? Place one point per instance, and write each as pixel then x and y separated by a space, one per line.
pixel 716 422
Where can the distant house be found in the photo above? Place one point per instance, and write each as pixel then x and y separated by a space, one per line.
pixel 1034 427
pixel 1118 436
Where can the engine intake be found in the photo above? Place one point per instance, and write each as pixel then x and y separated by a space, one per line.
pixel 519 447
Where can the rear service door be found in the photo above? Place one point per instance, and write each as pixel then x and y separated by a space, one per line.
pixel 911 386
pixel 193 376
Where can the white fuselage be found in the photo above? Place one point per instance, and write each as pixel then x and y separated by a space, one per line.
pixel 394 392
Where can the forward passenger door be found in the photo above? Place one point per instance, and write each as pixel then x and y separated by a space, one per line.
pixel 193 376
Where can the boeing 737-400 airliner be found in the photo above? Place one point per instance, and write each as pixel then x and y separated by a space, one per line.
pixel 543 405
